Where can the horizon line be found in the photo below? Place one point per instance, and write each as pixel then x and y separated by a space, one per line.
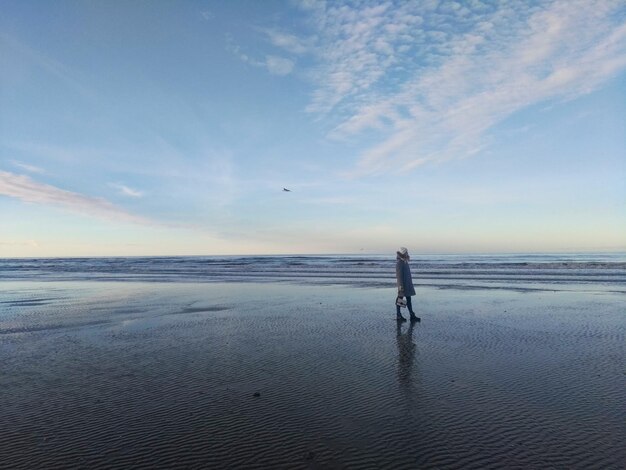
pixel 621 251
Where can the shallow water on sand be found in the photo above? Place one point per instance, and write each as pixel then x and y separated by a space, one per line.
pixel 599 271
pixel 146 375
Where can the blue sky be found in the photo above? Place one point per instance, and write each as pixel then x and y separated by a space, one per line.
pixel 165 128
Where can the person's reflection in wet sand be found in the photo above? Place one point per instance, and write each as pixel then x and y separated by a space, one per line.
pixel 406 357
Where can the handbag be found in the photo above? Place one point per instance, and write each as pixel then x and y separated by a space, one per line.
pixel 401 302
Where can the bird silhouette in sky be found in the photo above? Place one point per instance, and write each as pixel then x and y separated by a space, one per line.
pixel 286 190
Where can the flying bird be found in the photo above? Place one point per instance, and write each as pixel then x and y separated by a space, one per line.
pixel 286 190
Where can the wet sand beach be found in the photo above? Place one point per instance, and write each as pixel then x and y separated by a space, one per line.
pixel 275 375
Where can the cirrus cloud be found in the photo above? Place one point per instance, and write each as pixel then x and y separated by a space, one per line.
pixel 27 167
pixel 26 189
pixel 278 65
pixel 432 78
pixel 126 191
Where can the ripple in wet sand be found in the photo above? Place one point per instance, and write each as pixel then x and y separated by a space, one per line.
pixel 125 384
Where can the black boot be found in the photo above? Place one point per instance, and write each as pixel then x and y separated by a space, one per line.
pixel 399 316
pixel 409 304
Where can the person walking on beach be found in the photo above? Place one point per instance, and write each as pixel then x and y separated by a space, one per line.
pixel 405 284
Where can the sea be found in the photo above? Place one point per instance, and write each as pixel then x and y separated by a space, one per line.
pixel 547 271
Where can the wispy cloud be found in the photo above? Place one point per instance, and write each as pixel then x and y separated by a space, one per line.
pixel 276 65
pixel 289 42
pixel 126 191
pixel 27 167
pixel 26 189
pixel 432 78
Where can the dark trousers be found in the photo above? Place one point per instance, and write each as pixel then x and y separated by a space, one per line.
pixel 408 304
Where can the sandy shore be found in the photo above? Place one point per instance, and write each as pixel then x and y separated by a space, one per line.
pixel 138 375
